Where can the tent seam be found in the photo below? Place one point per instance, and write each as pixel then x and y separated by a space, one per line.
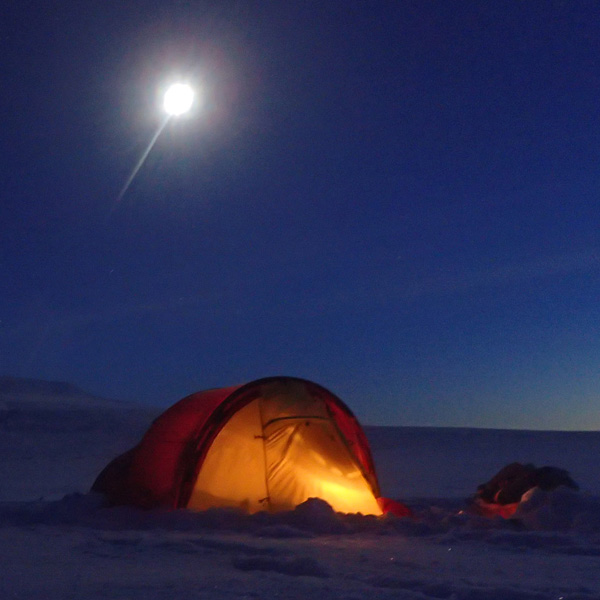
pixel 264 445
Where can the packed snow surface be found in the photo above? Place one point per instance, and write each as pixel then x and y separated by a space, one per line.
pixel 57 541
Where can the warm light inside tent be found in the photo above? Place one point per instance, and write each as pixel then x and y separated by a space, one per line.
pixel 233 472
pixel 274 454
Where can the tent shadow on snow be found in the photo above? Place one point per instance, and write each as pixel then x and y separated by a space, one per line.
pixel 268 445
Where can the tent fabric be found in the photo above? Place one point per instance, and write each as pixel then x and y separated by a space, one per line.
pixel 268 445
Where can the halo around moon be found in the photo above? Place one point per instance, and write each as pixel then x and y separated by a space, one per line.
pixel 178 99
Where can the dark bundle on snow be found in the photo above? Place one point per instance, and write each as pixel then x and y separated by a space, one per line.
pixel 511 482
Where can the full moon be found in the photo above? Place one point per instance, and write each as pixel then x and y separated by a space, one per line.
pixel 178 99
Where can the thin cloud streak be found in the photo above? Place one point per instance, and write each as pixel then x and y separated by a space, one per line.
pixel 56 324
pixel 505 275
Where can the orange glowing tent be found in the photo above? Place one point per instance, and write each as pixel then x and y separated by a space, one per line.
pixel 268 445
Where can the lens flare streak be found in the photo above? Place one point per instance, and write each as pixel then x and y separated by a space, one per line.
pixel 140 162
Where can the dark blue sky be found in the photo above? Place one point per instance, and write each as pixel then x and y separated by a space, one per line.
pixel 398 200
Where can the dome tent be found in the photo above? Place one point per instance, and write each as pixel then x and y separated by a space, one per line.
pixel 268 445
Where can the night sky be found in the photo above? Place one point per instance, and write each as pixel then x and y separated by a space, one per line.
pixel 398 200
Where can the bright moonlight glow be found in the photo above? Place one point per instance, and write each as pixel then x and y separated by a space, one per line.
pixel 178 99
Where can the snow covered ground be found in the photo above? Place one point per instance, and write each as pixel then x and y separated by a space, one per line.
pixel 58 542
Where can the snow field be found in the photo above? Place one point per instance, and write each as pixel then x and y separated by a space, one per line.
pixel 58 542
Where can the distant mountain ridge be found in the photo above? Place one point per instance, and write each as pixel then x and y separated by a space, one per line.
pixel 46 393
pixel 21 385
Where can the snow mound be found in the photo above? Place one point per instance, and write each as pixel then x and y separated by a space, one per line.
pixel 560 510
